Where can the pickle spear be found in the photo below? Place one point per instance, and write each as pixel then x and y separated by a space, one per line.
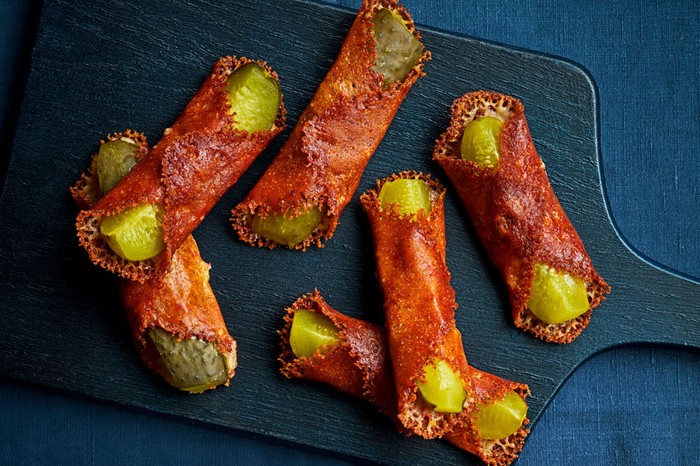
pixel 409 194
pixel 398 50
pixel 557 297
pixel 442 388
pixel 135 234
pixel 195 365
pixel 502 418
pixel 114 160
pixel 254 97
pixel 311 331
pixel 480 141
pixel 282 229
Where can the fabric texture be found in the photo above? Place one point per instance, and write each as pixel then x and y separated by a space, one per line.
pixel 626 406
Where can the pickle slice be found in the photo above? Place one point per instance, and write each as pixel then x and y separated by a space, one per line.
pixel 288 231
pixel 135 234
pixel 480 141
pixel 443 388
pixel 254 97
pixel 411 195
pixel 398 50
pixel 114 161
pixel 195 365
pixel 311 331
pixel 502 418
pixel 557 297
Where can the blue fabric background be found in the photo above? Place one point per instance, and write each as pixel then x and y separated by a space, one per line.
pixel 626 406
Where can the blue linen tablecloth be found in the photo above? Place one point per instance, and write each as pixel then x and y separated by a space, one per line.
pixel 627 406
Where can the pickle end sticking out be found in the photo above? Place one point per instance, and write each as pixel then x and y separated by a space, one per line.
pixel 502 418
pixel 114 161
pixel 254 97
pixel 311 331
pixel 410 194
pixel 195 365
pixel 136 234
pixel 443 388
pixel 398 50
pixel 288 231
pixel 481 141
pixel 557 297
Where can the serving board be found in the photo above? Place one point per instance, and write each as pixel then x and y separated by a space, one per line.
pixel 102 67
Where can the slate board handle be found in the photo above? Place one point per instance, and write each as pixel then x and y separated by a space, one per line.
pixel 659 307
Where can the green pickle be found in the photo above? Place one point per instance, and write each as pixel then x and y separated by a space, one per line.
pixel 135 234
pixel 254 97
pixel 311 331
pixel 557 297
pixel 398 50
pixel 411 195
pixel 442 388
pixel 195 365
pixel 502 418
pixel 480 141
pixel 114 161
pixel 288 231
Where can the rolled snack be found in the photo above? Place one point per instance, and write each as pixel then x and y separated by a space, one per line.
pixel 177 324
pixel 175 319
pixel 350 361
pixel 488 155
pixel 434 390
pixel 358 364
pixel 497 426
pixel 299 199
pixel 136 228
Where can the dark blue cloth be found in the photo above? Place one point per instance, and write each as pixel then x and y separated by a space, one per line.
pixel 626 406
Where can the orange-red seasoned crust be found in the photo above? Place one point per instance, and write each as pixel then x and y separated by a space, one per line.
pixel 181 302
pixel 419 303
pixel 353 366
pixel 515 211
pixel 197 160
pixel 322 161
pixel 360 366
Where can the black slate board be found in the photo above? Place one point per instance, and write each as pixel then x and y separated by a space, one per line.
pixel 98 68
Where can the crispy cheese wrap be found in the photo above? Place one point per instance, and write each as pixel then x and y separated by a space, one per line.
pixel 419 304
pixel 197 160
pixel 518 217
pixel 353 366
pixel 179 302
pixel 319 168
pixel 182 303
pixel 359 365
